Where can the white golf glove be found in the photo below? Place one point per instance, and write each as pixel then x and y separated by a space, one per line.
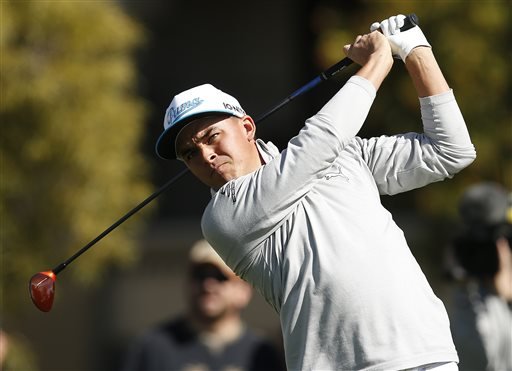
pixel 402 43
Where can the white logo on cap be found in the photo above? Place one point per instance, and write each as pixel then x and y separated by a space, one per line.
pixel 184 108
pixel 233 108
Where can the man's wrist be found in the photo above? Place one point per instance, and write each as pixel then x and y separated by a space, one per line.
pixel 425 72
pixel 419 52
pixel 376 69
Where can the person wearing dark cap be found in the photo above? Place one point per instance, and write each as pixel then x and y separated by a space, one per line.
pixel 481 317
pixel 211 336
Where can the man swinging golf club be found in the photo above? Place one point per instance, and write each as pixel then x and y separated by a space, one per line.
pixel 305 226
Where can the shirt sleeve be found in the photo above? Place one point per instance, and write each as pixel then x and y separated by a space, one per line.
pixel 403 162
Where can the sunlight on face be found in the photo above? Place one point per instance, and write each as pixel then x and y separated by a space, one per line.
pixel 217 149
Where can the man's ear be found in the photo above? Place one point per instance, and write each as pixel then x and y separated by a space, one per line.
pixel 250 127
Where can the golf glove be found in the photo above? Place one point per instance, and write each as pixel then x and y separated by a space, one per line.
pixel 402 43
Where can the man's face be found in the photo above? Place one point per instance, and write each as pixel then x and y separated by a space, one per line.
pixel 217 149
pixel 214 294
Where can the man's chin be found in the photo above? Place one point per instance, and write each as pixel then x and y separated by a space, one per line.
pixel 211 314
pixel 217 181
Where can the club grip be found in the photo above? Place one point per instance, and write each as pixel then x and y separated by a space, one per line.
pixel 410 21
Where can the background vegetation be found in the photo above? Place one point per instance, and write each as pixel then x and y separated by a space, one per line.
pixel 71 123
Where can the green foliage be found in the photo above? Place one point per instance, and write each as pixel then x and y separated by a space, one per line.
pixel 19 354
pixel 471 41
pixel 71 127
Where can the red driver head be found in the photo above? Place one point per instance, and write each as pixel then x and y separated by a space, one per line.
pixel 42 290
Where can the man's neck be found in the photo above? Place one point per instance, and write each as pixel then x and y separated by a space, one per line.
pixel 216 334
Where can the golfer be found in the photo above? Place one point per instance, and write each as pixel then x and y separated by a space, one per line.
pixel 305 226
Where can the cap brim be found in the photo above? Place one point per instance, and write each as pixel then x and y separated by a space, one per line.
pixel 166 144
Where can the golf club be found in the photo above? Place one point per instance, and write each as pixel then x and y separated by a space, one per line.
pixel 42 284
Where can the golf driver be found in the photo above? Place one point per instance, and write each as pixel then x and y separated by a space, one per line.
pixel 42 284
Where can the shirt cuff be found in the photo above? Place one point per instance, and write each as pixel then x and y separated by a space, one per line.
pixel 365 84
pixel 438 99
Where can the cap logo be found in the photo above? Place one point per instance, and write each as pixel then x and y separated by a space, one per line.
pixel 233 108
pixel 177 112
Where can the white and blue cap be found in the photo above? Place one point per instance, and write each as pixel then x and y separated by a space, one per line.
pixel 200 101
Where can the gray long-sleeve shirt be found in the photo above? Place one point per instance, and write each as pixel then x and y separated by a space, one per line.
pixel 308 230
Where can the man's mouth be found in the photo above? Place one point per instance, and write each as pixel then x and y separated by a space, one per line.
pixel 217 167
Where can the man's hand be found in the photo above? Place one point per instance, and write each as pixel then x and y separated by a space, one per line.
pixel 373 52
pixel 402 43
pixel 370 46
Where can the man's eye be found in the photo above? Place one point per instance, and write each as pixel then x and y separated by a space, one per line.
pixel 212 137
pixel 189 155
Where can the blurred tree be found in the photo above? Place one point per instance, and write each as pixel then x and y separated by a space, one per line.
pixel 16 353
pixel 69 148
pixel 472 43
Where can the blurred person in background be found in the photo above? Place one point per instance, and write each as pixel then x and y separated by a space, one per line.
pixel 211 335
pixel 481 316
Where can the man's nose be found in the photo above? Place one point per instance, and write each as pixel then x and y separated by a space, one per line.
pixel 208 154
